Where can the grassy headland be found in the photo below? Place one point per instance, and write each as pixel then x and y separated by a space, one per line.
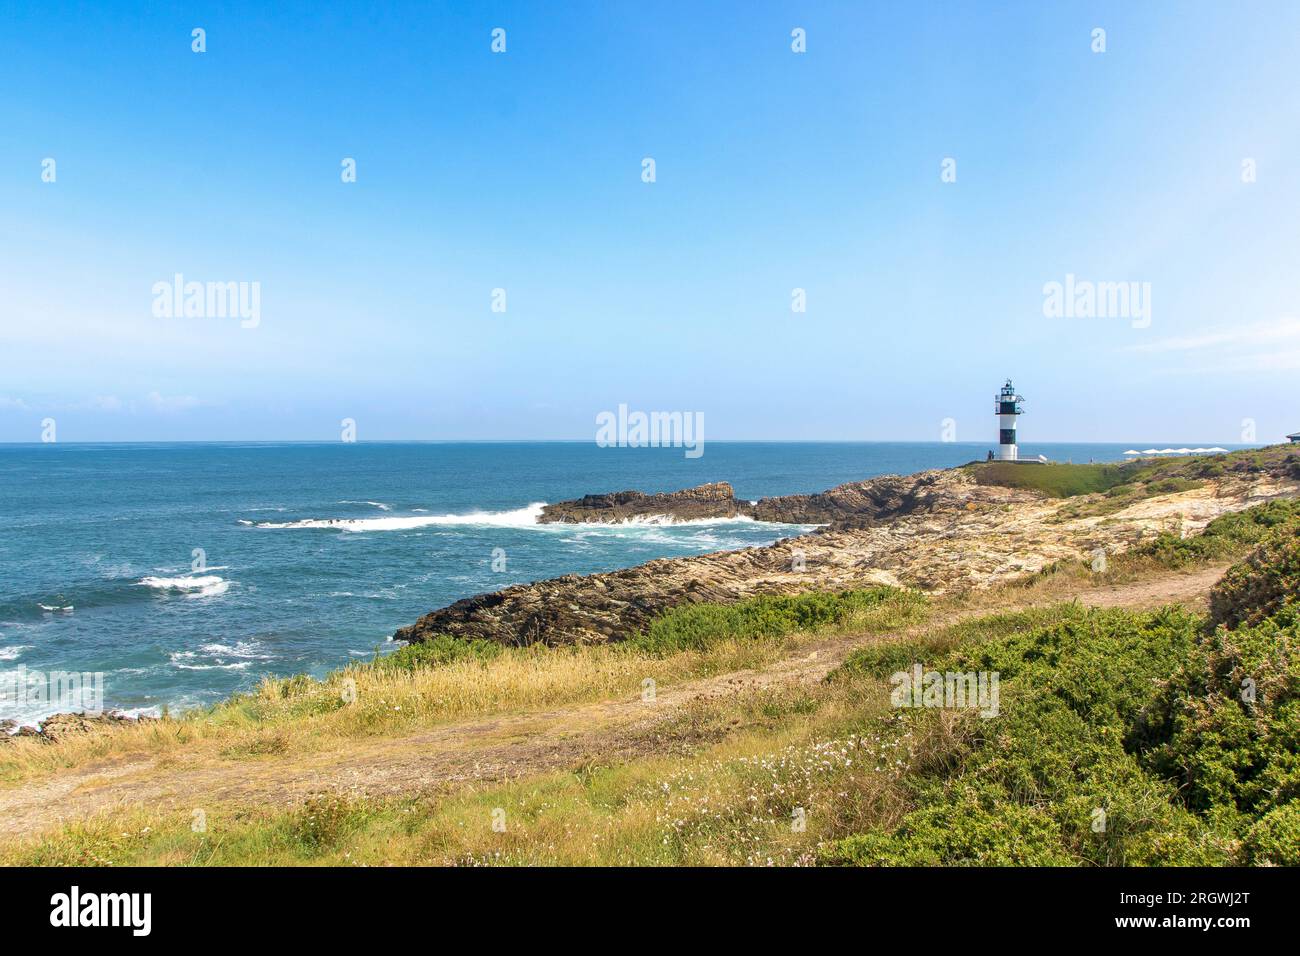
pixel 1124 483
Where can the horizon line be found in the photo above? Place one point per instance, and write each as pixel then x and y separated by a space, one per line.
pixel 588 441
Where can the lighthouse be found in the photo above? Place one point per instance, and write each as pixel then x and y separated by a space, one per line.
pixel 1008 407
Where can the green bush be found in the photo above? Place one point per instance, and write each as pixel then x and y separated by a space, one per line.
pixel 439 650
pixel 1275 839
pixel 969 829
pixel 1032 783
pixel 1226 536
pixel 1226 723
pixel 1266 584
pixel 1123 738
pixel 696 627
pixel 888 657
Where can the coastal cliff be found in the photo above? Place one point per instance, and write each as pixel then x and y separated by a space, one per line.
pixel 937 530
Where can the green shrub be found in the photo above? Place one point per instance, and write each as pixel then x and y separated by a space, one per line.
pixel 1226 536
pixel 1275 839
pixel 1031 784
pixel 973 827
pixel 1181 734
pixel 1266 584
pixel 439 650
pixel 696 627
pixel 1227 724
pixel 888 657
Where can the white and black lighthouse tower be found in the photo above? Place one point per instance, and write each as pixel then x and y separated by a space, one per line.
pixel 1009 407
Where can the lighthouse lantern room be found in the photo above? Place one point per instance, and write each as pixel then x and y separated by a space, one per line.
pixel 1008 406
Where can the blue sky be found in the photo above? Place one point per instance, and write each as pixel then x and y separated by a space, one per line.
pixel 774 171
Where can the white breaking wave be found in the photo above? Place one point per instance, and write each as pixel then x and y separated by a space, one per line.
pixel 248 649
pixel 66 609
pixel 238 666
pixel 527 517
pixel 376 504
pixel 519 518
pixel 199 585
pixel 11 653
pixel 135 713
pixel 218 657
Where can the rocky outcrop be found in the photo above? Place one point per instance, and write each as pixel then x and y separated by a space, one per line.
pixel 854 505
pixel 714 500
pixel 937 530
pixel 862 503
pixel 618 604
pixel 61 726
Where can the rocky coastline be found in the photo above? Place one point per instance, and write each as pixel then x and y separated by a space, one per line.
pixel 854 505
pixel 59 726
pixel 713 500
pixel 937 530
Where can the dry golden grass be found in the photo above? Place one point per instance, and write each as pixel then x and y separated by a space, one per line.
pixel 724 790
pixel 298 715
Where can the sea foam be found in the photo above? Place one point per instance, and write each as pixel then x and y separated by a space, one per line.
pixel 220 657
pixel 200 585
pixel 527 517
pixel 519 518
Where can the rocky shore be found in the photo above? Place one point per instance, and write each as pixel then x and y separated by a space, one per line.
pixel 936 530
pixel 715 500
pixel 60 726
pixel 854 505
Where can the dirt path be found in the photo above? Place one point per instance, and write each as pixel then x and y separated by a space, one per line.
pixel 487 749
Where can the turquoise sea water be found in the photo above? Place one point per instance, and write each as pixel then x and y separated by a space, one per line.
pixel 315 553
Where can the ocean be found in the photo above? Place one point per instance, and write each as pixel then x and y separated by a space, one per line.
pixel 186 572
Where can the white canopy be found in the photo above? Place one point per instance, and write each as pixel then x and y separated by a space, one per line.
pixel 1177 451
